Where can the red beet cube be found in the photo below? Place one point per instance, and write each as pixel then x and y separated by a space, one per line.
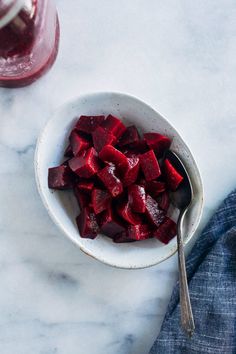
pixel 100 200
pixel 139 147
pixel 110 180
pixel 132 171
pixel 153 212
pixel 78 143
pixel 85 185
pixel 87 223
pixel 137 190
pixel 83 199
pixel 139 232
pixel 86 164
pixel 114 126
pixel 124 210
pixel 130 136
pixel 101 138
pixel 110 224
pixel 157 142
pixel 154 188
pixel 122 237
pixel 172 176
pixel 133 233
pixel 137 198
pixel 68 151
pixel 166 231
pixel 59 177
pixel 164 201
pixel 150 165
pixel 88 124
pixel 112 155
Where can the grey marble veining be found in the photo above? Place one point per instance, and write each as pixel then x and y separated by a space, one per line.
pixel 179 56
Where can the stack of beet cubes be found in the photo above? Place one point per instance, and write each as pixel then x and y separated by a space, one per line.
pixel 121 181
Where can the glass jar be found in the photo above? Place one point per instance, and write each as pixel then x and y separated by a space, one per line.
pixel 29 38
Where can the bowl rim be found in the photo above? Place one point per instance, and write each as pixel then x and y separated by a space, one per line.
pixel 60 224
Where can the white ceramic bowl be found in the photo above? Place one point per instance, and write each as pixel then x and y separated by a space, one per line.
pixel 62 206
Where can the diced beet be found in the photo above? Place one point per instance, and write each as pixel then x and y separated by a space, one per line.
pixel 157 142
pixel 87 223
pixel 114 126
pixel 122 237
pixel 88 124
pixel 101 138
pixel 84 135
pixel 150 165
pixel 132 171
pixel 166 231
pixel 154 188
pixel 73 177
pixel 132 155
pixel 59 177
pixel 130 136
pixel 124 210
pixel 110 224
pixel 78 143
pixel 112 155
pixel 164 200
pixel 85 185
pixel 133 233
pixel 137 198
pixel 129 174
pixel 139 232
pixel 100 200
pixel 86 164
pixel 153 212
pixel 110 180
pixel 131 150
pixel 172 176
pixel 68 151
pixel 83 199
pixel 140 147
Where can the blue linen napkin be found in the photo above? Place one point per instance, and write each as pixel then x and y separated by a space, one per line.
pixel 211 269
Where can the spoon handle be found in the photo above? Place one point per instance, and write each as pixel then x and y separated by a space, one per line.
pixel 187 320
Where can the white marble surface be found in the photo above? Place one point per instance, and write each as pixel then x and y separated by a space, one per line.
pixel 180 57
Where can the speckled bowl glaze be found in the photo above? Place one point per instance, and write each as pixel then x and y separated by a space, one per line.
pixel 62 206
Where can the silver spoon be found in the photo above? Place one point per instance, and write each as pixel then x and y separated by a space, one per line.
pixel 182 199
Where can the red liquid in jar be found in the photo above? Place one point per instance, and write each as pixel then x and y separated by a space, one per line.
pixel 28 43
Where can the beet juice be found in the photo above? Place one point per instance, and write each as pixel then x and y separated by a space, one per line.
pixel 29 37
